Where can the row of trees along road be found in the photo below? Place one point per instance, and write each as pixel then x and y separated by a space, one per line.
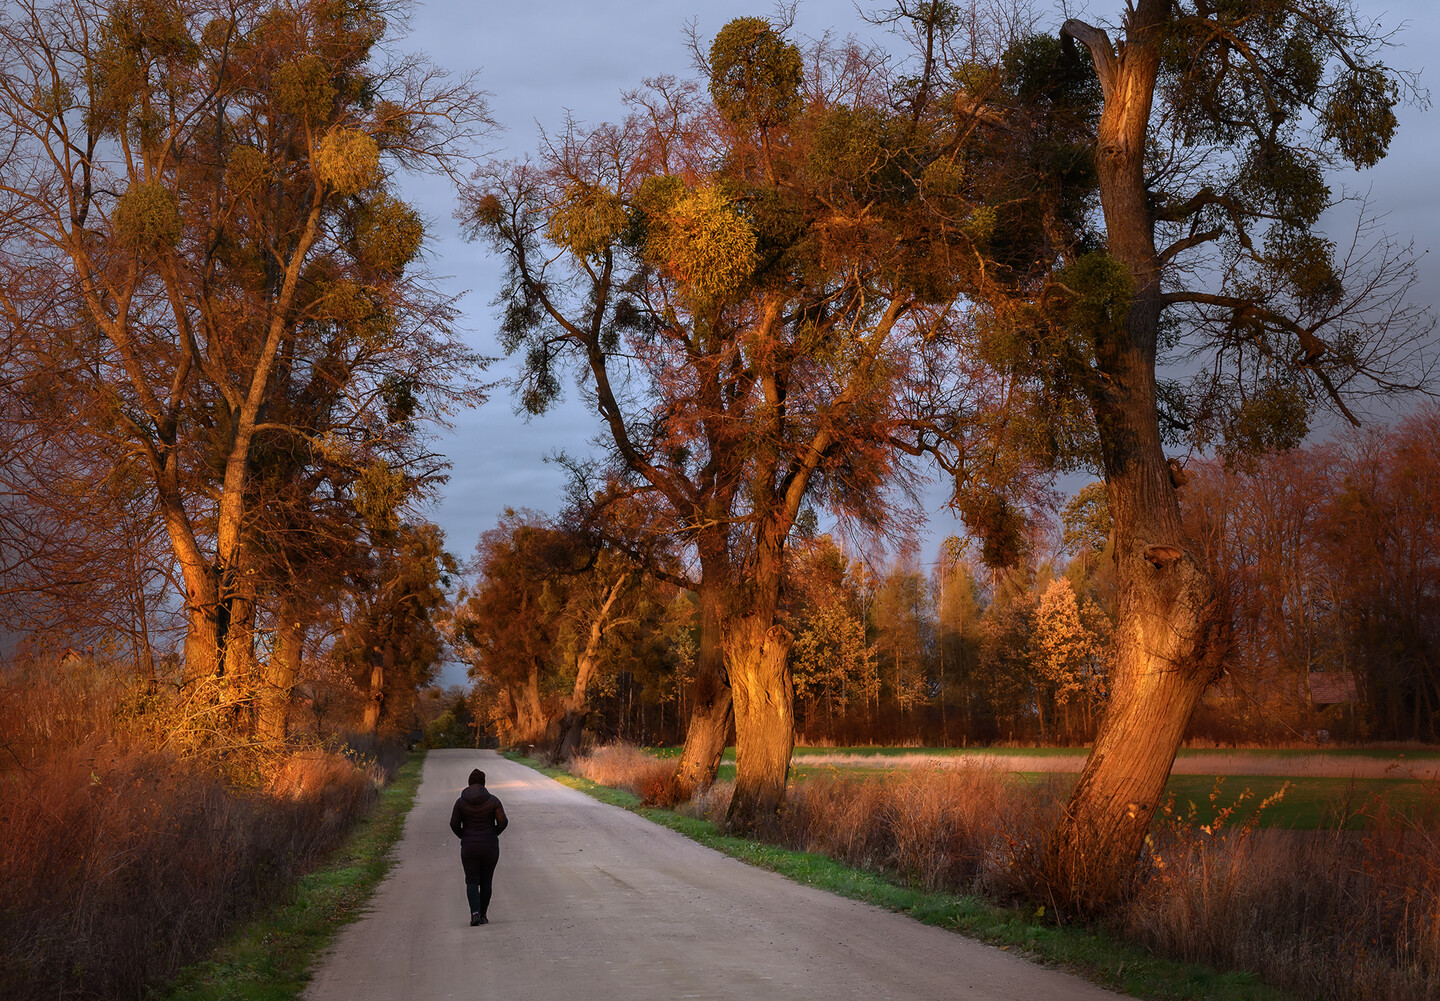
pixel 832 265
pixel 554 616
pixel 217 326
pixel 1325 558
pixel 557 622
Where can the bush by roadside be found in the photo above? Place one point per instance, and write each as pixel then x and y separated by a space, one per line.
pixel 272 956
pixel 129 843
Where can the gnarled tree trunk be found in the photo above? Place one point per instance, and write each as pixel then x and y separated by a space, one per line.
pixel 712 704
pixel 757 652
pixel 1167 618
pixel 574 708
pixel 531 722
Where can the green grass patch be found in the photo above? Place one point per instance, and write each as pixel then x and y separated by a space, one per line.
pixel 1308 804
pixel 1362 753
pixel 1088 952
pixel 271 958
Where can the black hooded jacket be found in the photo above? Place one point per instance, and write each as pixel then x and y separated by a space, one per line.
pixel 478 817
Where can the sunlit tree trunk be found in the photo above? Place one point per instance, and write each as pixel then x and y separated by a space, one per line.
pixel 574 709
pixel 283 669
pixel 757 654
pixel 531 722
pixel 375 695
pixel 204 629
pixel 1167 616
pixel 242 671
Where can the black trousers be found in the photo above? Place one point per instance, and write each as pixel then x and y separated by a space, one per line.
pixel 479 862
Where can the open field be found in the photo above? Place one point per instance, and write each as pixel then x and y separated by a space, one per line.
pixel 1353 785
pixel 1341 763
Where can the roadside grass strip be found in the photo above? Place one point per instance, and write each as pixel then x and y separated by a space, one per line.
pixel 272 957
pixel 1087 952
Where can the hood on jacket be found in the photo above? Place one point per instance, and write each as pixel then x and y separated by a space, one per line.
pixel 475 794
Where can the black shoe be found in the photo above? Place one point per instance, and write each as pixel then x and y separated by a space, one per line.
pixel 483 920
pixel 476 918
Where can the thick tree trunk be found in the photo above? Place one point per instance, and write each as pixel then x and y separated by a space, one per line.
pixel 1167 617
pixel 757 652
pixel 241 669
pixel 202 643
pixel 1165 645
pixel 572 730
pixel 375 697
pixel 204 625
pixel 531 723
pixel 575 708
pixel 711 702
pixel 284 668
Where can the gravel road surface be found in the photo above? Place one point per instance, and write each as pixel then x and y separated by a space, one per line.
pixel 596 904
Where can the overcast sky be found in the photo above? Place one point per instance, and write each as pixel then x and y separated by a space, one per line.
pixel 542 58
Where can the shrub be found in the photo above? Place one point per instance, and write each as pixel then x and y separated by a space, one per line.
pixel 625 766
pixel 1327 914
pixel 123 856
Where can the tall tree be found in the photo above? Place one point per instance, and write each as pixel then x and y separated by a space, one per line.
pixel 1217 122
pixel 391 640
pixel 735 279
pixel 206 187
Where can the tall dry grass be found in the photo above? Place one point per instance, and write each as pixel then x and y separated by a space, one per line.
pixel 625 766
pixel 124 853
pixel 1330 915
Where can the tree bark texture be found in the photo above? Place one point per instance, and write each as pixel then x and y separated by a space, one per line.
pixel 284 668
pixel 376 696
pixel 712 706
pixel 757 652
pixel 241 669
pixel 532 725
pixel 572 730
pixel 1167 616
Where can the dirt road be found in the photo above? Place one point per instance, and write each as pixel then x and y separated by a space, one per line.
pixel 596 903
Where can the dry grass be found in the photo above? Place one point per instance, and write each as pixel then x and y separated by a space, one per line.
pixel 1330 915
pixel 123 855
pixel 625 766
pixel 1326 914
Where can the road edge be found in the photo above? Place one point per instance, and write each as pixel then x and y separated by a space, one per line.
pixel 1088 953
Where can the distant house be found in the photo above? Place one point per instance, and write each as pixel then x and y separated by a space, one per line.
pixel 1331 688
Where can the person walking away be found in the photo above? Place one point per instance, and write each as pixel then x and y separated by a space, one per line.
pixel 477 820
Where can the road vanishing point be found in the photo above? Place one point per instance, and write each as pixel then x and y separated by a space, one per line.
pixel 593 902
